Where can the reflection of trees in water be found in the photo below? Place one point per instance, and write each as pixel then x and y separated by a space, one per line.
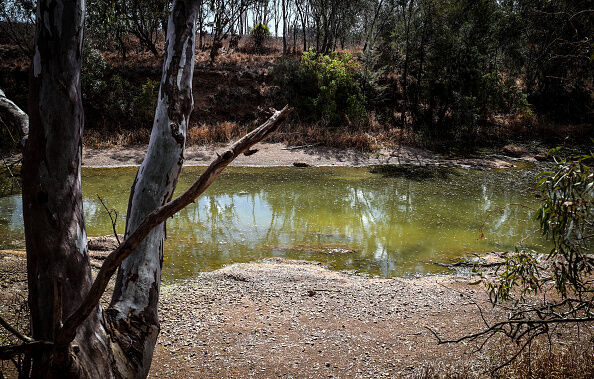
pixel 390 222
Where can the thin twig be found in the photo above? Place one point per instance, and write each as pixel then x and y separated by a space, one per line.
pixel 302 146
pixel 113 222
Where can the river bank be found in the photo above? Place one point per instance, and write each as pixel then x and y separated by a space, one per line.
pixel 278 154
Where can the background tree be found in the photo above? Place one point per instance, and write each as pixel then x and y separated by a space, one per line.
pixel 17 21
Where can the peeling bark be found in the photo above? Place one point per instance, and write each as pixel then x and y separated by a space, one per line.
pixel 59 273
pixel 133 310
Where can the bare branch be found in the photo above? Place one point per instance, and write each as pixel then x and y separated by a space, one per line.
pixel 15 332
pixel 9 351
pixel 158 216
pixel 113 222
pixel 514 324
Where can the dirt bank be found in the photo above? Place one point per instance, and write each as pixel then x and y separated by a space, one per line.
pixel 277 154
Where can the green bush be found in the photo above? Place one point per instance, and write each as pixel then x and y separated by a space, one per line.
pixel 93 73
pixel 110 96
pixel 324 87
pixel 260 33
pixel 145 102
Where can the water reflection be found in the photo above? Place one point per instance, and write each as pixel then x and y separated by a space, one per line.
pixel 391 225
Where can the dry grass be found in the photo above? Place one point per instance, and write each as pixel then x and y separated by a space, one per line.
pixel 370 138
pixel 108 139
pixel 221 132
pixel 567 359
pixel 570 356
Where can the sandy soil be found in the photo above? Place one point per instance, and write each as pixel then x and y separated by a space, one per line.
pixel 281 318
pixel 277 154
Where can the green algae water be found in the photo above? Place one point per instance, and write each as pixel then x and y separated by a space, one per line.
pixel 383 221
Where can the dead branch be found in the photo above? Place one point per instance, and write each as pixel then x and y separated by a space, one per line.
pixel 9 351
pixel 13 331
pixel 111 218
pixel 302 146
pixel 15 115
pixel 157 217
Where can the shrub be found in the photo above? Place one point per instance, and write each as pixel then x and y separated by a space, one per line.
pixel 260 34
pixel 94 68
pixel 145 102
pixel 109 96
pixel 323 86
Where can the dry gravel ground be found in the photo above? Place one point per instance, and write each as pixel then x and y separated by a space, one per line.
pixel 297 319
pixel 281 318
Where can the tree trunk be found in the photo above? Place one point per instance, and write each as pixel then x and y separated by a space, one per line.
pixel 285 28
pixel 58 267
pixel 134 304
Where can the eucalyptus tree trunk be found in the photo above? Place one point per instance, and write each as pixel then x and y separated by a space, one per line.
pixel 134 304
pixel 58 267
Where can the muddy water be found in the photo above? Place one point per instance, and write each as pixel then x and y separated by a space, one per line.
pixel 381 222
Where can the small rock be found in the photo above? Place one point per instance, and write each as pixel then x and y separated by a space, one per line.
pixel 514 151
pixel 338 251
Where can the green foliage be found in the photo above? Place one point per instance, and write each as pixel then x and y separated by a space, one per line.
pixel 371 79
pixel 566 216
pixel 557 57
pixel 260 34
pixel 93 72
pixel 457 65
pixel 145 102
pixel 110 96
pixel 323 87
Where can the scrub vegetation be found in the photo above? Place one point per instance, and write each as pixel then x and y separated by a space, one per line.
pixel 449 74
